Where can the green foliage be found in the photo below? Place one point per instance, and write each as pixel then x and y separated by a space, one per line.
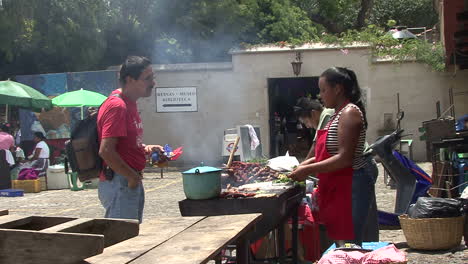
pixel 279 20
pixel 391 23
pixel 384 46
pixel 261 160
pixel 411 13
pixel 41 36
pixel 341 15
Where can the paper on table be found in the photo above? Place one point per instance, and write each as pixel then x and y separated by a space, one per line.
pixel 283 163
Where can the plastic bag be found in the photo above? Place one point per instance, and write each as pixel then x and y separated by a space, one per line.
pixel 432 207
pixel 464 194
pixel 283 163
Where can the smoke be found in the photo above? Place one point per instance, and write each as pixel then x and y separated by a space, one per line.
pixel 193 31
pixel 199 137
pixel 178 47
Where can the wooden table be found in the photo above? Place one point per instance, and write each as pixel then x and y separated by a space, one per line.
pixel 276 210
pixel 65 240
pixel 178 240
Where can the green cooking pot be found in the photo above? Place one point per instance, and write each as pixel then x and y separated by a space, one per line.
pixel 202 183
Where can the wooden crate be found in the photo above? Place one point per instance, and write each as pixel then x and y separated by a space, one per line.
pixel 437 129
pixel 29 186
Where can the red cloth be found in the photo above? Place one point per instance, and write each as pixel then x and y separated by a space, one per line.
pixel 255 246
pixel 310 233
pixel 309 236
pixel 56 147
pixel 118 117
pixel 335 193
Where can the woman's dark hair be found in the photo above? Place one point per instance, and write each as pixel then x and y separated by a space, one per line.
pixel 133 67
pixel 39 135
pixel 5 127
pixel 347 78
pixel 305 105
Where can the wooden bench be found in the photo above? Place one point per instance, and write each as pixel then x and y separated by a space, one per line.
pixel 182 240
pixel 65 240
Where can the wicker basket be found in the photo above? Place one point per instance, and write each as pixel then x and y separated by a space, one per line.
pixel 432 233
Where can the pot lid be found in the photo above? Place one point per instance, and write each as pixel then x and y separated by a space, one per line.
pixel 201 169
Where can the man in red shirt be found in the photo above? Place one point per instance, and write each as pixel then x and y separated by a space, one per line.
pixel 120 132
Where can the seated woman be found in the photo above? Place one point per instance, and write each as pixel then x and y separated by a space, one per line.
pixel 7 142
pixel 40 157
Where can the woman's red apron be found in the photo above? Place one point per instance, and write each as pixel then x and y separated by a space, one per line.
pixel 335 204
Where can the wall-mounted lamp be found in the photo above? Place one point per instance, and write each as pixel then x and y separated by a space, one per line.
pixel 296 64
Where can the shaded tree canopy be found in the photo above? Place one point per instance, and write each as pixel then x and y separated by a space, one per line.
pixel 43 36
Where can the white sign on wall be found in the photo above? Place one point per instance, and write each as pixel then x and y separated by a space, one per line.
pixel 176 99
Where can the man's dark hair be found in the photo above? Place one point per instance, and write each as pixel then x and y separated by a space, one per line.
pixel 39 135
pixel 133 67
pixel 305 105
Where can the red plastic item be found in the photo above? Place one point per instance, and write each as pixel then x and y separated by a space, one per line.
pixel 177 152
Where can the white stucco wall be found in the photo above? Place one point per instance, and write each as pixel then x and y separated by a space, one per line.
pixel 237 94
pixel 419 90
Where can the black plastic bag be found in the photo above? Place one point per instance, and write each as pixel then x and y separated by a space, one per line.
pixel 430 207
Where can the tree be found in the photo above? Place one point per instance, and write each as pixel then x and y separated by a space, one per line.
pixel 281 20
pixel 75 35
pixel 337 16
pixel 411 13
pixel 51 36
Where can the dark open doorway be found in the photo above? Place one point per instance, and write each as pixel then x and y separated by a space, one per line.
pixel 286 133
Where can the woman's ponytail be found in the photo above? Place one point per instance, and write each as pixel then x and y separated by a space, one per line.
pixel 355 94
pixel 347 78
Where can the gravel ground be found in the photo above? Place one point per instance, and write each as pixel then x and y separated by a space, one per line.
pixel 386 202
pixel 163 194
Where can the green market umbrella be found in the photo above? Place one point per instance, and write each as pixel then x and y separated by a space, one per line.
pixel 14 93
pixel 79 98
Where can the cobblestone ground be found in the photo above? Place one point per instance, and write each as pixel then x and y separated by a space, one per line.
pixel 161 200
pixel 163 194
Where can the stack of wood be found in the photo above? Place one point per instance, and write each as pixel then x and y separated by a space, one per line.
pixel 443 180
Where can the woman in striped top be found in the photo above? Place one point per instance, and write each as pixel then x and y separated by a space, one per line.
pixel 345 180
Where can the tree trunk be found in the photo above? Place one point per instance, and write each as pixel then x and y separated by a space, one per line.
pixel 329 25
pixel 366 6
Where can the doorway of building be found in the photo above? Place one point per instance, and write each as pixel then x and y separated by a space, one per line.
pixel 286 132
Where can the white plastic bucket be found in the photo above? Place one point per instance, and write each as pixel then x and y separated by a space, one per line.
pixel 56 178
